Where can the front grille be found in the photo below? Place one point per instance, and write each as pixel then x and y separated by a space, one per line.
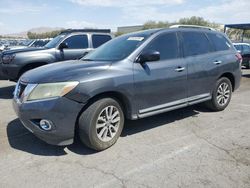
pixel 20 89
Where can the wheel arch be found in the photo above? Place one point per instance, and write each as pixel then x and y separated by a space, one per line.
pixel 118 96
pixel 231 77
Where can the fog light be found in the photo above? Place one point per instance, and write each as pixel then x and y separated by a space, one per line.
pixel 45 125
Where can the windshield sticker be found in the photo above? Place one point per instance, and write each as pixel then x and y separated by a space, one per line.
pixel 136 38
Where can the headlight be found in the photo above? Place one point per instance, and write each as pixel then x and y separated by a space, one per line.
pixel 8 58
pixel 50 90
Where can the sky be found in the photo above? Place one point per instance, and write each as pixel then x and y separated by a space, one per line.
pixel 22 15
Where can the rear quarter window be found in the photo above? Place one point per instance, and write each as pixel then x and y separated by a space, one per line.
pixel 219 41
pixel 195 43
pixel 98 40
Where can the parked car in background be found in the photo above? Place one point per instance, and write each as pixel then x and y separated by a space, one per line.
pixel 33 43
pixel 132 76
pixel 70 44
pixel 2 47
pixel 244 49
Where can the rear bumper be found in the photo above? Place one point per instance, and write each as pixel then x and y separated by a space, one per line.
pixel 237 77
pixel 62 112
pixel 246 62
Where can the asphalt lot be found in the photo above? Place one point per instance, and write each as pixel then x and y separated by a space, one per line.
pixel 190 147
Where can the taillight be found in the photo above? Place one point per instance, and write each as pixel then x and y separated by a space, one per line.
pixel 239 57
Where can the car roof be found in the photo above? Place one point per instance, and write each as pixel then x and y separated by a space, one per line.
pixel 70 31
pixel 156 30
pixel 241 43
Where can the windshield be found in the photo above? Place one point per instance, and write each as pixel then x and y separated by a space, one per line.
pixel 118 48
pixel 54 42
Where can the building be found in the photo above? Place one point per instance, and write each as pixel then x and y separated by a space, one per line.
pixel 129 29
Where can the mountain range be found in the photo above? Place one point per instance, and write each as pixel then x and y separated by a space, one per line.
pixel 33 30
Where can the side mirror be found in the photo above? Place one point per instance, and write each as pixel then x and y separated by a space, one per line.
pixel 148 56
pixel 63 45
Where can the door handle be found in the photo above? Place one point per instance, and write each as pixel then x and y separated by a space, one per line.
pixel 180 69
pixel 217 62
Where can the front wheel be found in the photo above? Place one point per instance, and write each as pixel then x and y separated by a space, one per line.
pixel 101 124
pixel 221 95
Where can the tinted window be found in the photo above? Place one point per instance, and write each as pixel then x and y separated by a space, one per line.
pixel 54 42
pixel 195 43
pixel 77 42
pixel 166 44
pixel 246 49
pixel 118 48
pixel 219 41
pixel 98 40
pixel 238 47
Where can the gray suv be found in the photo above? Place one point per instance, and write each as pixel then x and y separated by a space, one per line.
pixel 132 76
pixel 70 44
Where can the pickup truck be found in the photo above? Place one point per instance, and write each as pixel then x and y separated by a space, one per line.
pixel 68 45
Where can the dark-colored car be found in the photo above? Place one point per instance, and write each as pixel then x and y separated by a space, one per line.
pixel 132 76
pixel 244 49
pixel 70 44
pixel 37 43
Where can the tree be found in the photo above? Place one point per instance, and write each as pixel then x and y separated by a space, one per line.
pixel 154 24
pixel 194 20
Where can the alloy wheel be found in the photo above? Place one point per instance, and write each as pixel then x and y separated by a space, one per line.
pixel 108 123
pixel 223 93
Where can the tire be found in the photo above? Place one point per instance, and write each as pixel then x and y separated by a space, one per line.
pixel 96 114
pixel 221 95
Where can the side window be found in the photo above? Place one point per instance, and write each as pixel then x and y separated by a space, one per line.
pixel 238 47
pixel 98 40
pixel 219 41
pixel 246 49
pixel 195 43
pixel 166 44
pixel 77 42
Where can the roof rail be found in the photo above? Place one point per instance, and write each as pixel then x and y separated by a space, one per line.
pixel 86 30
pixel 193 26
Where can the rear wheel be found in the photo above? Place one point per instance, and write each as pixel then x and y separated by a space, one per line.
pixel 101 124
pixel 221 95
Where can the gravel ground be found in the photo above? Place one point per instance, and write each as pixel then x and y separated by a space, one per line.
pixel 190 147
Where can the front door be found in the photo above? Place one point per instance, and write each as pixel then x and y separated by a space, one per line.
pixel 77 47
pixel 161 85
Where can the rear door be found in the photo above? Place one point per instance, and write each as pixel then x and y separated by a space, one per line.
pixel 208 55
pixel 201 70
pixel 161 85
pixel 99 39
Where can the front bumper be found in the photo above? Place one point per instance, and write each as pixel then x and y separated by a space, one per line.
pixel 10 71
pixel 246 62
pixel 62 112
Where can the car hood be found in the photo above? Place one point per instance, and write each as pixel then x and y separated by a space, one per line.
pixel 14 51
pixel 73 70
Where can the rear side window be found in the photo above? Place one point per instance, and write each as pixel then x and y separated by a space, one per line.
pixel 166 44
pixel 98 40
pixel 219 41
pixel 246 49
pixel 77 42
pixel 195 43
